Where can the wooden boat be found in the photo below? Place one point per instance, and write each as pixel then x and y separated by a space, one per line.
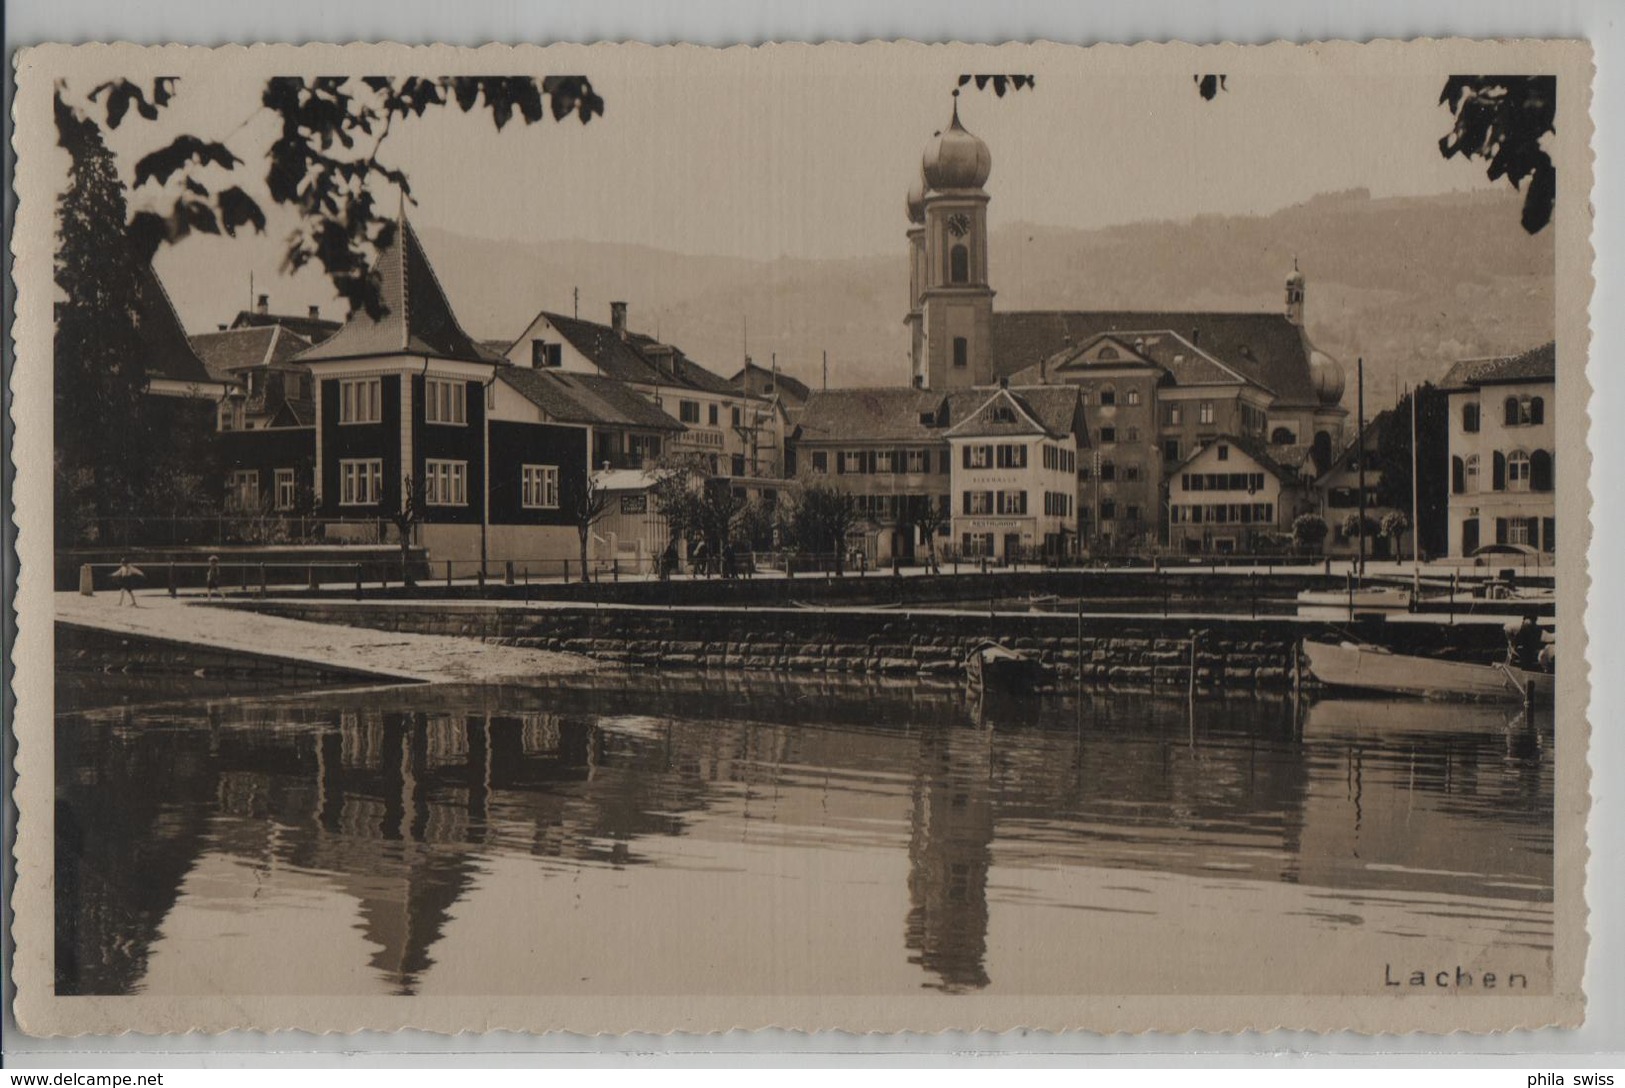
pixel 990 667
pixel 1364 598
pixel 1372 668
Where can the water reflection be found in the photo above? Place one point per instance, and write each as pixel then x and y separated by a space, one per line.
pixel 410 808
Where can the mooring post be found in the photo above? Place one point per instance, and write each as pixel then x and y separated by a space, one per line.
pixel 358 581
pixel 507 572
pixel 1454 575
pixel 172 578
pixel 1190 688
pixel 262 579
pixel 1349 577
pixel 310 578
pixel 448 574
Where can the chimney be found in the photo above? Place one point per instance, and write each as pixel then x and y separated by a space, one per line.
pixel 315 313
pixel 222 328
pixel 1043 369
pixel 263 306
pixel 617 318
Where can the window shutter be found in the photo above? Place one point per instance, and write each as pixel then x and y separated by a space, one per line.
pixel 1537 410
pixel 840 462
pixel 1540 471
pixel 1500 530
pixel 967 456
pixel 1512 411
pixel 1532 527
pixel 1498 474
pixel 1458 476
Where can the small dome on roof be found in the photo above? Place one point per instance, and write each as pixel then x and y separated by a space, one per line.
pixel 916 201
pixel 1326 375
pixel 955 159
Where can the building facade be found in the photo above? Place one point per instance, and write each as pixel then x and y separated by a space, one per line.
pixel 1015 474
pixel 1231 497
pixel 1503 444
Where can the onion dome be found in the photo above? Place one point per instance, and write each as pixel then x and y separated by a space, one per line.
pixel 1326 375
pixel 1294 278
pixel 955 159
pixel 916 201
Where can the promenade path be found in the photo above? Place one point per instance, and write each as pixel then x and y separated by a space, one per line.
pixel 386 654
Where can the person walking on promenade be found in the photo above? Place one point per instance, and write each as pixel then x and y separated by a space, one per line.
pixel 212 579
pixel 125 577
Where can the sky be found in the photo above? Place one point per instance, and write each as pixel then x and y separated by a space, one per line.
pixel 807 151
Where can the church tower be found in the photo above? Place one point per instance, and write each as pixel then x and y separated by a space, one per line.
pixel 954 345
pixel 916 281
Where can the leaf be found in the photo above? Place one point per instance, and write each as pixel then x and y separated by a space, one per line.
pixel 163 89
pixel 159 165
pixel 238 209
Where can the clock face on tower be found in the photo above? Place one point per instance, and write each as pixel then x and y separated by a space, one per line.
pixel 959 224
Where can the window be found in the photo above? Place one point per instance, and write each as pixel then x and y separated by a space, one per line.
pixel 1131 434
pixel 1170 450
pixel 1131 397
pixel 961 352
pixel 978 502
pixel 360 400
pixel 978 456
pixel 917 461
pixel 539 487
pixel 1470 481
pixel 1469 417
pixel 231 414
pixel 738 464
pixel 884 462
pixel 1224 453
pixel 543 354
pixel 287 489
pixel 292 385
pixel 1174 416
pixel 1518 471
pixel 1518 531
pixel 1514 412
pixel 445 483
pixel 820 462
pixel 713 415
pixel 959 264
pixel 736 416
pixel 1012 502
pixel 1131 512
pixel 688 411
pixel 1131 473
pixel 856 461
pixel 1108 435
pixel 1108 396
pixel 1540 471
pixel 445 401
pixel 243 488
pixel 1012 456
pixel 1283 436
pixel 361 482
pixel 1205 412
pixel 1108 509
pixel 1108 471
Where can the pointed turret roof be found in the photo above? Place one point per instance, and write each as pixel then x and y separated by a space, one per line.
pixel 417 318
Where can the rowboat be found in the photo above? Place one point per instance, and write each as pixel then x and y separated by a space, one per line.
pixel 1372 668
pixel 991 667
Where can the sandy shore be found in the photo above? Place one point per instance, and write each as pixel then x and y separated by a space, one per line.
pixel 388 654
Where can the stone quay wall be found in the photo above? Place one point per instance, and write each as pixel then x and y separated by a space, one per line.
pixel 1139 650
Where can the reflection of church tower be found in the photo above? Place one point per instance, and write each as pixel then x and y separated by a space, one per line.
pixel 916 281
pixel 953 347
pixel 949 853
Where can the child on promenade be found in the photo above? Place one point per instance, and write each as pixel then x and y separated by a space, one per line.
pixel 212 579
pixel 125 577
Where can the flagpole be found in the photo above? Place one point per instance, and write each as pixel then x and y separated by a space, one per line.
pixel 1416 491
pixel 1359 432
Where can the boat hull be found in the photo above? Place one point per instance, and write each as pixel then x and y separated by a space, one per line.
pixel 1366 668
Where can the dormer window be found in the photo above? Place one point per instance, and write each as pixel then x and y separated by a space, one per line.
pixel 544 355
pixel 1107 354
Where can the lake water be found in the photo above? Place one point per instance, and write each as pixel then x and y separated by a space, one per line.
pixel 648 834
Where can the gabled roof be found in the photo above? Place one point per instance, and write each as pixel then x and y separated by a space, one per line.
pixel 1536 364
pixel 791 389
pixel 169 354
pixel 1254 449
pixel 1180 360
pixel 925 415
pixel 314 329
pixel 875 415
pixel 418 319
pixel 638 358
pixel 231 350
pixel 588 398
pixel 1264 348
pixel 1042 409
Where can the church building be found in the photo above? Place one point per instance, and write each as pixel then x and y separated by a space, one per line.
pixel 1157 386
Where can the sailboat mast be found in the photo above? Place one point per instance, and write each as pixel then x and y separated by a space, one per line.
pixel 1416 489
pixel 1359 438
